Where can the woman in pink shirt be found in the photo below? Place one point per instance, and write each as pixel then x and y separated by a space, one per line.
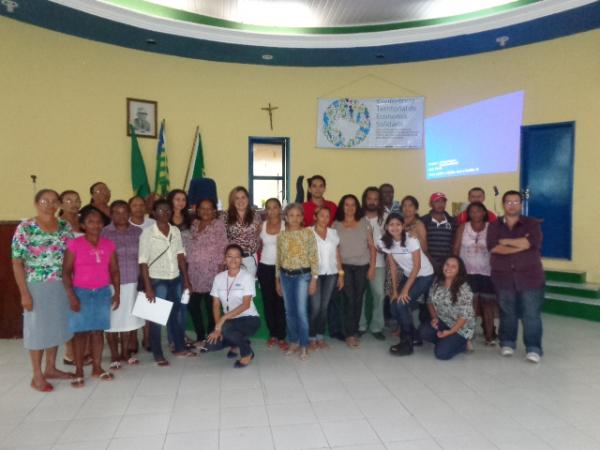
pixel 90 266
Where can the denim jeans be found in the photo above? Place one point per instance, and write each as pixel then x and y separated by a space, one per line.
pixel 334 322
pixel 237 332
pixel 168 290
pixel 402 312
pixel 526 304
pixel 295 296
pixel 376 286
pixel 445 348
pixel 319 304
pixel 355 283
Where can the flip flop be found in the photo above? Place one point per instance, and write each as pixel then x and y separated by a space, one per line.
pixel 106 376
pixel 68 362
pixel 115 365
pixel 133 361
pixel 77 382
pixel 45 388
pixel 163 363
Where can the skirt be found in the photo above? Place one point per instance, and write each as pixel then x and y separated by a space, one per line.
pixel 46 325
pixel 121 319
pixel 94 314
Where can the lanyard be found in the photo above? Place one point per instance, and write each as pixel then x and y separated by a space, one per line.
pixel 229 286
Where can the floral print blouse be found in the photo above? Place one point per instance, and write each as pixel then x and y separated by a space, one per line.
pixel 205 252
pixel 246 236
pixel 41 252
pixel 449 313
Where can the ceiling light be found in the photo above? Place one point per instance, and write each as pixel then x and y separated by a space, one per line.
pixel 150 41
pixel 502 40
pixel 267 57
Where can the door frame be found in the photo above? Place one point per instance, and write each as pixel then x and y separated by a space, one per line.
pixel 524 130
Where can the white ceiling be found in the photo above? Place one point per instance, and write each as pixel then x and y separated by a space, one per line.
pixel 328 13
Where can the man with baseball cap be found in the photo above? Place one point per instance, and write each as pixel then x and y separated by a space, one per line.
pixel 441 227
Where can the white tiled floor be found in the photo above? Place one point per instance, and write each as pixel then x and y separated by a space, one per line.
pixel 340 398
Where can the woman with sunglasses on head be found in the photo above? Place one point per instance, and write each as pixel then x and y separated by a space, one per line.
pixel 38 247
pixel 243 227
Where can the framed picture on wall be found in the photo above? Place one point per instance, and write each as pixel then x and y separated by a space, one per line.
pixel 142 115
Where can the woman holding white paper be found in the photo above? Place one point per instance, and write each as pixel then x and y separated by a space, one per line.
pixel 124 325
pixel 163 269
pixel 233 291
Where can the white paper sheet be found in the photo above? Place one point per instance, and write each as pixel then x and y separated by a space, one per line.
pixel 157 312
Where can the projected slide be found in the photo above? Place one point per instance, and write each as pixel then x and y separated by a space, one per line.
pixel 480 138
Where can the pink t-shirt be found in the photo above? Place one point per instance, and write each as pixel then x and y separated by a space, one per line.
pixel 90 269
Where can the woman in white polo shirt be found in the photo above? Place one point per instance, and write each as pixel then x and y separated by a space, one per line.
pixel 404 252
pixel 236 317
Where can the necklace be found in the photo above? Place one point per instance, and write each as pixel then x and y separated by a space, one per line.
pixel 229 286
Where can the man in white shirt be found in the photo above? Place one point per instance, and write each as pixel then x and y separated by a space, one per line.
pixel 373 208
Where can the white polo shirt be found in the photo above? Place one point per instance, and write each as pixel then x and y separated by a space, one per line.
pixel 403 256
pixel 232 290
pixel 160 252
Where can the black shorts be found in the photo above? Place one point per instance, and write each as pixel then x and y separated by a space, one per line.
pixel 481 285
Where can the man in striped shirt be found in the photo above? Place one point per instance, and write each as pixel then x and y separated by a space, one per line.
pixel 441 227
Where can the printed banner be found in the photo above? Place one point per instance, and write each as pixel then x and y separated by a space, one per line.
pixel 370 123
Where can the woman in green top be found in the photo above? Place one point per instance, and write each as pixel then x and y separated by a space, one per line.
pixel 296 275
pixel 38 246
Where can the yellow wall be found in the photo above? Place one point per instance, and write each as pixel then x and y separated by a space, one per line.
pixel 63 117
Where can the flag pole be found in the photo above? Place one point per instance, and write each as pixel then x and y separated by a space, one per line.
pixel 187 172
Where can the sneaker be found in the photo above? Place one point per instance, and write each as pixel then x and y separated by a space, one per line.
pixel 533 357
pixel 271 342
pixel 506 351
pixel 379 336
pixel 283 346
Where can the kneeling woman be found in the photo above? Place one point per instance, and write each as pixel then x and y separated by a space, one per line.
pixel 233 291
pixel 450 303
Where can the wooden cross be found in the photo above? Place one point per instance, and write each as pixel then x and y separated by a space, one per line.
pixel 270 109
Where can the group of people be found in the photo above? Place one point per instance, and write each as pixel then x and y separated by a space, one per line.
pixel 79 271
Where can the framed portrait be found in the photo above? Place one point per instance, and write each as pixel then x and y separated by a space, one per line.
pixel 142 115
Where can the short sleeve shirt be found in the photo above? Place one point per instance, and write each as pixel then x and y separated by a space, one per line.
pixel 127 243
pixel 160 252
pixel 41 252
pixel 354 242
pixel 91 265
pixel 246 236
pixel 403 256
pixel 231 291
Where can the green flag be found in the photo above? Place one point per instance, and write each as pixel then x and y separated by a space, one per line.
pixel 196 164
pixel 161 183
pixel 139 179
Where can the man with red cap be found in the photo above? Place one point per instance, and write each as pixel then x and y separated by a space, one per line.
pixel 441 227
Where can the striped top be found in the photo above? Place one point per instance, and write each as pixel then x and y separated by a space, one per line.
pixel 439 237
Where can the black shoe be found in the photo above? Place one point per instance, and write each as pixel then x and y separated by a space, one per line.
pixel 239 365
pixel 379 336
pixel 403 348
pixel 231 354
pixel 417 343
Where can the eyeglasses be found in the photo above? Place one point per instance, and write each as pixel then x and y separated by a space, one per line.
pixel 512 202
pixel 48 202
pixel 72 202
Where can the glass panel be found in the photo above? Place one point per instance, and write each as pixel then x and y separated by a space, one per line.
pixel 267 160
pixel 265 189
